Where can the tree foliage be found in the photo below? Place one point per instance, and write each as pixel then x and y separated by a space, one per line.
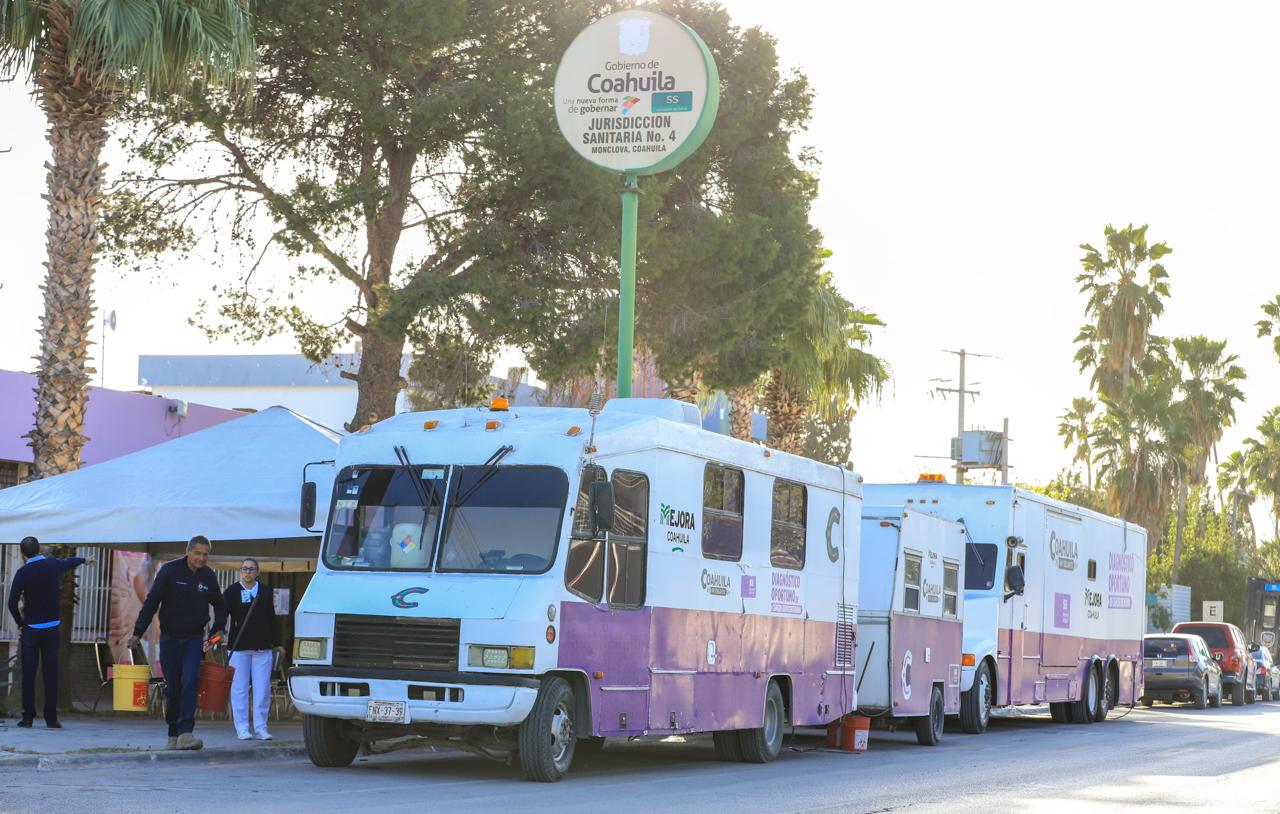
pixel 402 161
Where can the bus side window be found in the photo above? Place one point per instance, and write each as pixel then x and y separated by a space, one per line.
pixel 950 587
pixel 911 582
pixel 629 539
pixel 584 564
pixel 787 533
pixel 722 513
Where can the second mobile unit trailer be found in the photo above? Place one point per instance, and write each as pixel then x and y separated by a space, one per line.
pixel 1065 628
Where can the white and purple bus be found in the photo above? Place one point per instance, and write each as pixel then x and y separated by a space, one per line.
pixel 533 580
pixel 1054 600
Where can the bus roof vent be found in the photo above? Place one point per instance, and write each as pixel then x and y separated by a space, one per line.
pixel 682 412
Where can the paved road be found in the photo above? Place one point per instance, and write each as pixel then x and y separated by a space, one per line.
pixel 1165 759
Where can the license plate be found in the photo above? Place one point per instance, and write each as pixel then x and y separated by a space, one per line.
pixel 1159 662
pixel 387 712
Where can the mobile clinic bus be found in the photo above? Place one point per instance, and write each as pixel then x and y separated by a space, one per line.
pixel 514 581
pixel 910 615
pixel 1054 600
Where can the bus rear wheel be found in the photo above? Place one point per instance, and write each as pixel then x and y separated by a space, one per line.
pixel 547 736
pixel 326 745
pixel 1082 711
pixel 764 744
pixel 929 727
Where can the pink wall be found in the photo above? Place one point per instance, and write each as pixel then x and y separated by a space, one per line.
pixel 117 422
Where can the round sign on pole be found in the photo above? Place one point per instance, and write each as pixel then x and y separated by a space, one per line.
pixel 636 92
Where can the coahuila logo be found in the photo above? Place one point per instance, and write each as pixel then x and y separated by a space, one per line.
pixel 715 584
pixel 628 102
pixel 1063 551
pixel 932 592
pixel 677 519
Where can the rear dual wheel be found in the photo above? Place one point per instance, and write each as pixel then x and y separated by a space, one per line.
pixel 929 727
pixel 756 745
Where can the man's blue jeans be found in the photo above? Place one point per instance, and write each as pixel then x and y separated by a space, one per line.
pixel 180 659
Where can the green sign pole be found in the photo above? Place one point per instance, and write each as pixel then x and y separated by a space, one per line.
pixel 627 286
pixel 636 93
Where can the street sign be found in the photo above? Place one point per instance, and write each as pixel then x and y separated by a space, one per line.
pixel 635 93
pixel 1212 612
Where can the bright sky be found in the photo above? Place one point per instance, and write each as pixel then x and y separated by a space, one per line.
pixel 967 148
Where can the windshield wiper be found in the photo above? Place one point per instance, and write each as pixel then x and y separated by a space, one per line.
pixel 976 553
pixel 427 498
pixel 491 467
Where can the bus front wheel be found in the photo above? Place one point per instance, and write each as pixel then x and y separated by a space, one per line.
pixel 547 736
pixel 326 745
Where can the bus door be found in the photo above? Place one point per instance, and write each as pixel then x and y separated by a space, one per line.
pixel 609 637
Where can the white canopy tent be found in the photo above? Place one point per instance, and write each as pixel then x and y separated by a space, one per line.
pixel 239 480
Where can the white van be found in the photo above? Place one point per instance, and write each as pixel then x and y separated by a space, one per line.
pixel 1054 595
pixel 910 618
pixel 524 580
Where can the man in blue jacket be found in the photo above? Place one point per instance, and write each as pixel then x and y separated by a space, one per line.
pixel 36 583
pixel 183 591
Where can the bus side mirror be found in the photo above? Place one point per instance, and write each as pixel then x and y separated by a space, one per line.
pixel 1015 581
pixel 602 505
pixel 307 509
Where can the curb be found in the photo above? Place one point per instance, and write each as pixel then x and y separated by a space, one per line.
pixel 215 755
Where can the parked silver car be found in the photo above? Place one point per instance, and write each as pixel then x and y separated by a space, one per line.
pixel 1268 673
pixel 1179 667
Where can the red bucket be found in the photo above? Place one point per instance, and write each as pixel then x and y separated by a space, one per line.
pixel 215 686
pixel 849 733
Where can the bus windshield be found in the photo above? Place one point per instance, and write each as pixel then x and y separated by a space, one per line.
pixel 503 519
pixel 379 522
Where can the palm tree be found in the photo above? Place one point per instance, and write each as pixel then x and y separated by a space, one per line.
pixel 824 363
pixel 1138 445
pixel 1233 489
pixel 1208 380
pixel 83 57
pixel 1262 458
pixel 1076 426
pixel 1124 298
pixel 1271 325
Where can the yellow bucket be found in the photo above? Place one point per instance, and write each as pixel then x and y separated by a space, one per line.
pixel 129 687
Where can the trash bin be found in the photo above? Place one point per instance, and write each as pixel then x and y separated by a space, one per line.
pixel 214 691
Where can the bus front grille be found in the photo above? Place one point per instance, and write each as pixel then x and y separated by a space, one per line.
pixel 395 642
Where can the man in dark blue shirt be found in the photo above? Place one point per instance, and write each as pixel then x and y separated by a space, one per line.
pixel 37 583
pixel 183 591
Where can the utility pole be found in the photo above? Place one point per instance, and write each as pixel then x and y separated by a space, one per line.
pixel 957 452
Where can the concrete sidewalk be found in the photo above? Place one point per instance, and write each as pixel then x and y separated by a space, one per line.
pixel 95 739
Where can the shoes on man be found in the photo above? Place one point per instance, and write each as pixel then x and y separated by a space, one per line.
pixel 262 736
pixel 25 723
pixel 244 736
pixel 173 742
pixel 187 741
pixel 53 724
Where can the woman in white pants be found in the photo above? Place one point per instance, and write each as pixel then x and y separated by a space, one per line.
pixel 252 642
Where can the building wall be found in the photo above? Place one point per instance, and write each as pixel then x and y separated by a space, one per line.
pixel 116 422
pixel 333 405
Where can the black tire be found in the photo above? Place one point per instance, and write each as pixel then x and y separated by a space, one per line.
pixel 1148 702
pixel 728 745
pixel 764 744
pixel 1060 711
pixel 975 705
pixel 326 745
pixel 547 736
pixel 1250 696
pixel 1215 700
pixel 929 727
pixel 1082 711
pixel 1200 698
pixel 1105 697
pixel 1237 694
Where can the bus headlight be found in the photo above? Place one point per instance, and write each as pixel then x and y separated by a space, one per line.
pixel 310 649
pixel 500 657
